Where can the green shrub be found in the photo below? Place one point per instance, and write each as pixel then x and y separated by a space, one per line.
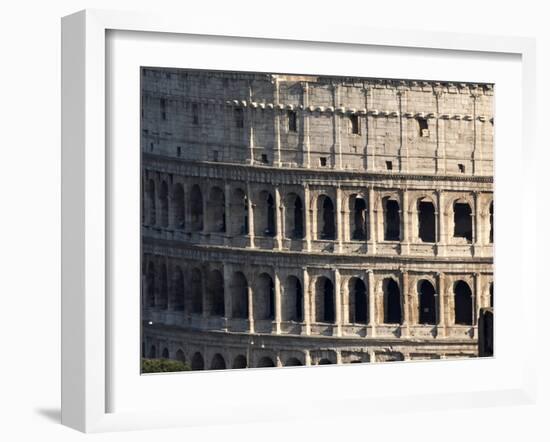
pixel 162 366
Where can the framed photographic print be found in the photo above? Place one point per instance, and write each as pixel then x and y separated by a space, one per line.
pixel 252 214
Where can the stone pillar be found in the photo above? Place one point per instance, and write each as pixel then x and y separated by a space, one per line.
pixel 406 220
pixel 339 227
pixel 306 148
pixel 307 217
pixel 228 305
pixel 405 301
pixel 250 303
pixel 477 240
pixel 307 301
pixel 372 222
pixel 372 302
pixel 204 289
pixel 336 129
pixel 307 357
pixel 441 219
pixel 277 289
pixel 250 216
pixel 476 301
pixel 337 303
pixel 279 213
pixel 338 357
pixel 205 196
pixel 227 214
pixel 277 126
pixel 441 314
pixel 186 208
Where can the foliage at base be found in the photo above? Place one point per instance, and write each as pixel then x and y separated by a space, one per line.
pixel 162 366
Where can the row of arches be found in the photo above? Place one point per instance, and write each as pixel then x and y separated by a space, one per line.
pixel 212 213
pixel 208 293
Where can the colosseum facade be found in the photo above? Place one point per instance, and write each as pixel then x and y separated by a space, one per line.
pixel 305 220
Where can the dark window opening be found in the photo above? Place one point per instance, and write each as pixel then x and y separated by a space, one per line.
pixel 462 168
pixel 423 127
pixel 151 147
pixel 328 301
pixel 150 285
pixel 359 228
pixel 216 293
pixel 266 362
pixel 196 207
pixel 218 362
pixel 240 362
pixel 165 354
pixel 462 221
pixel 325 361
pixel 491 298
pixel 426 221
pixel 298 219
pixel 392 302
pixel 299 301
pixel 264 158
pixel 392 221
pixel 264 298
pixel 179 207
pixel 215 155
pixel 270 208
pixel 426 303
pixel 358 307
pixel 163 108
pixel 326 221
pixel 463 304
pixel 163 200
pixel 152 352
pixel 389 165
pixel 238 114
pixel 491 223
pixel 195 111
pixel 292 122
pixel 197 362
pixel 178 291
pixel 179 151
pixel 196 291
pixel 163 289
pixel 323 161
pixel 239 296
pixel 354 122
pixel 293 362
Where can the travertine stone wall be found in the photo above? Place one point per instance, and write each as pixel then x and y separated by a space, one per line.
pixel 267 208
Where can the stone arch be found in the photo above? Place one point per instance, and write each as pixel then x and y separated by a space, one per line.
pixel 392 302
pixel 239 295
pixel 265 361
pixel 240 362
pixel 215 293
pixel 180 356
pixel 426 302
pixel 179 206
pixel 358 302
pixel 178 289
pixel 165 353
pixel 164 204
pixel 425 208
pixel 325 361
pixel 326 225
pixel 293 362
pixel 197 361
pixel 196 208
pixel 218 362
pixel 392 219
pixel 150 284
pixel 294 217
pixel 238 216
pixel 196 290
pixel 358 210
pixel 152 352
pixel 293 300
pixel 265 214
pixel 151 203
pixel 462 220
pixel 324 300
pixel 264 297
pixel 463 300
pixel 215 212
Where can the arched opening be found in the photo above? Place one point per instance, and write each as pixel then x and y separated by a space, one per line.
pixel 426 221
pixel 239 296
pixel 325 361
pixel 195 207
pixel 264 214
pixel 165 353
pixel 325 218
pixel 293 362
pixel 463 303
pixel 426 302
pixel 264 298
pixel 240 362
pixel 491 223
pixel 196 291
pixel 324 301
pixel 218 362
pixel 163 199
pixel 392 302
pixel 163 288
pixel 358 306
pixel 197 362
pixel 150 285
pixel 462 221
pixel 180 356
pixel 152 352
pixel 178 287
pixel 491 298
pixel 266 362
pixel 215 212
pixel 358 218
pixel 179 207
pixel 216 293
pixel 294 217
pixel 392 220
pixel 151 203
pixel 238 219
pixel 292 301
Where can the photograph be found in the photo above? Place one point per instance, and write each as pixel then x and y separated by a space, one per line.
pixel 300 219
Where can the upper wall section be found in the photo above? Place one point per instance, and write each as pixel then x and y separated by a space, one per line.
pixel 319 122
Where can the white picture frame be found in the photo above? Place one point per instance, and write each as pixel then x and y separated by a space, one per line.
pixel 86 206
